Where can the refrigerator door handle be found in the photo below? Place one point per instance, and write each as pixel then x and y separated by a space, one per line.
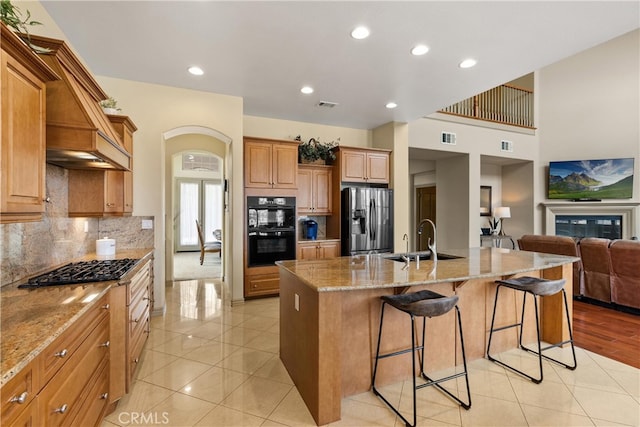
pixel 374 221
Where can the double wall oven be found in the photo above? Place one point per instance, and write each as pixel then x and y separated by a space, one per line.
pixel 271 230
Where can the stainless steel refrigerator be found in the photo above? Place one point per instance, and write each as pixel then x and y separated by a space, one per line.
pixel 367 220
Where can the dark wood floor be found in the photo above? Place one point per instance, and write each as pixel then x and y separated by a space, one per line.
pixel 607 332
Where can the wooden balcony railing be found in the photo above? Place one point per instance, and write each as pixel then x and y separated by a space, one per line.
pixel 504 104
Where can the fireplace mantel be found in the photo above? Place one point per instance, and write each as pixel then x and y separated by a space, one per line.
pixel 628 209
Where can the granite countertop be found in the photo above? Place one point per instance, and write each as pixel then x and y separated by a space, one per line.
pixel 32 318
pixel 375 272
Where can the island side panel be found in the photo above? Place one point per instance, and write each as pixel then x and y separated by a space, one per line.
pixel 360 324
pixel 310 345
pixel 553 318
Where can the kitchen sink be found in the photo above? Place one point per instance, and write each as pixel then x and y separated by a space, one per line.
pixel 423 257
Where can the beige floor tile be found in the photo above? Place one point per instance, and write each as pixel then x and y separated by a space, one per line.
pixel 160 336
pixel 214 385
pixel 245 360
pixel 142 397
pixel 390 392
pixel 182 410
pixel 431 403
pixel 259 323
pixel 541 417
pixel 528 363
pixel 239 336
pixel 180 345
pixel 548 395
pixel 266 342
pixel 486 382
pixel 257 396
pixel 175 375
pixel 275 329
pixel 605 423
pixel 292 411
pixel 593 377
pixel 269 423
pixel 234 317
pixel 608 406
pixel 274 370
pixel 212 352
pixel 227 417
pixel 361 414
pixel 106 423
pixel 151 361
pixel 161 322
pixel 209 330
pixel 488 411
pixel 184 325
pixel 629 380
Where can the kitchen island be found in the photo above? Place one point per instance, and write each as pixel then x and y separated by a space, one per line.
pixel 329 316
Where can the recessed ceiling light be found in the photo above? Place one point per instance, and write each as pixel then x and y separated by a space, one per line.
pixel 419 49
pixel 306 90
pixel 196 71
pixel 360 33
pixel 468 63
pixel 391 105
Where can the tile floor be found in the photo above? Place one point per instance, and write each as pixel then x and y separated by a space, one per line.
pixel 209 364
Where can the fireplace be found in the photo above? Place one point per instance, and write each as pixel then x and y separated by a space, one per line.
pixel 593 219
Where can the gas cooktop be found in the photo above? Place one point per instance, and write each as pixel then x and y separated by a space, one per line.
pixel 83 272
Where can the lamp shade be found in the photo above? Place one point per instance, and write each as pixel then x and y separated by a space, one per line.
pixel 502 212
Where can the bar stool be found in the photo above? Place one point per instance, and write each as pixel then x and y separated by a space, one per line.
pixel 421 304
pixel 536 287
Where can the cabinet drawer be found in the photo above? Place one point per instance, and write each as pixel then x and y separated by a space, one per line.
pixel 63 348
pixel 137 344
pixel 137 317
pixel 61 400
pixel 139 286
pixel 263 285
pixel 18 393
pixel 97 398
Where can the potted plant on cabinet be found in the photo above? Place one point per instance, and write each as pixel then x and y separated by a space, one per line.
pixel 11 16
pixel 316 152
pixel 110 106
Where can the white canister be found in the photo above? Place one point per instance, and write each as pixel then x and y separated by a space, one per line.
pixel 105 246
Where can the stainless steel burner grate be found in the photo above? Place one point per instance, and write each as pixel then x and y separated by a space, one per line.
pixel 83 272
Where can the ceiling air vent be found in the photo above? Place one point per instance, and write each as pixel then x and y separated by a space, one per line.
pixel 448 138
pixel 327 104
pixel 506 146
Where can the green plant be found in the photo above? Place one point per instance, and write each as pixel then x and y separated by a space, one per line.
pixel 11 16
pixel 314 149
pixel 110 103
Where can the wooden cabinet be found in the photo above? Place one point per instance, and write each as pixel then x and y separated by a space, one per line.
pixel 314 190
pixel 96 193
pixel 319 249
pixel 23 116
pixel 261 281
pixel 68 382
pixel 364 165
pixel 139 302
pixel 270 163
pixel 125 128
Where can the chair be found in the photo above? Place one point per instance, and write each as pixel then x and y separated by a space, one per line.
pixel 597 268
pixel 206 247
pixel 217 234
pixel 421 304
pixel 536 287
pixel 625 280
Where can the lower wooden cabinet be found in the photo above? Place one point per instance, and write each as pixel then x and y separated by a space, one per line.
pixel 318 249
pixel 261 281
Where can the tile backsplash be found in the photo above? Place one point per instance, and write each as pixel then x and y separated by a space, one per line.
pixel 31 248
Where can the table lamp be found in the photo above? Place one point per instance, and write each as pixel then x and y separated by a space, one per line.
pixel 502 213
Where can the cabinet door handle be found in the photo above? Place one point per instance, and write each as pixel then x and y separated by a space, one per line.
pixel 110 205
pixel 105 344
pixel 20 399
pixel 47 199
pixel 61 354
pixel 62 409
pixel 136 360
pixel 106 306
pixel 104 396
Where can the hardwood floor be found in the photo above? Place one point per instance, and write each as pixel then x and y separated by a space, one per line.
pixel 607 332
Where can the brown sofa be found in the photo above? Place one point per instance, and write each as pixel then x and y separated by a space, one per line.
pixel 625 272
pixel 559 245
pixel 596 262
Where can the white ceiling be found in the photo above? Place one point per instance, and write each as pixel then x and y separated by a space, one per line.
pixel 266 51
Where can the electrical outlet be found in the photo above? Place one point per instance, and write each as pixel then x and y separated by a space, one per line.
pixel 86 226
pixel 147 224
pixel 296 302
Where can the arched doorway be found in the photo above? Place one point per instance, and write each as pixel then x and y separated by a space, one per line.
pixel 193 139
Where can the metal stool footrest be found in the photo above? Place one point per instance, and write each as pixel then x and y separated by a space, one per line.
pixel 422 304
pixel 536 287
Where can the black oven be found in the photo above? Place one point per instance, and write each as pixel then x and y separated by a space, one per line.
pixel 271 230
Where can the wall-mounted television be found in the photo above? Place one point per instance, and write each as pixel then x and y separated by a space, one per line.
pixel 591 179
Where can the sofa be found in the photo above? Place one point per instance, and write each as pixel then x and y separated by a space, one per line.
pixel 608 270
pixel 559 245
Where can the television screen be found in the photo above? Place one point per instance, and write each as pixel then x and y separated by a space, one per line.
pixel 591 179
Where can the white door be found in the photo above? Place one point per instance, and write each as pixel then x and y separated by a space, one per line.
pixel 197 200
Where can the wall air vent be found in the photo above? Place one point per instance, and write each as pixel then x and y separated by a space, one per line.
pixel 327 104
pixel 506 146
pixel 448 138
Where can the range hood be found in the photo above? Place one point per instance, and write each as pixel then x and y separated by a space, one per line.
pixel 79 134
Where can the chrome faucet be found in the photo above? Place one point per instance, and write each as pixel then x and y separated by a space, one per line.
pixel 432 247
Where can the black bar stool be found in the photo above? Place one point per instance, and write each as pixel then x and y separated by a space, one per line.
pixel 421 304
pixel 536 287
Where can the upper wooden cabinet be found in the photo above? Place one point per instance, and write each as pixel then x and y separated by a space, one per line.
pixel 314 190
pixel 270 163
pixel 363 165
pixel 125 128
pixel 96 193
pixel 23 77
